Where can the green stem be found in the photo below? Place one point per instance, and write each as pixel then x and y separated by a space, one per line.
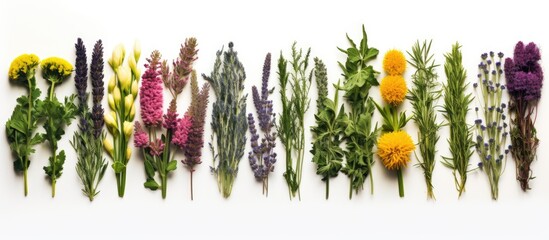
pixel 192 195
pixel 351 189
pixel 164 185
pixel 400 183
pixel 327 188
pixel 53 181
pixel 121 182
pixel 25 180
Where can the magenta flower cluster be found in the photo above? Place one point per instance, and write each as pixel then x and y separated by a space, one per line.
pixel 181 134
pixel 523 73
pixel 151 97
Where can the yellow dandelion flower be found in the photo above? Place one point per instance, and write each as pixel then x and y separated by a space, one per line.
pixel 23 67
pixel 394 149
pixel 393 89
pixel 394 62
pixel 56 69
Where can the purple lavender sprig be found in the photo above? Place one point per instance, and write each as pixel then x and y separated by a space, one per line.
pixel 98 89
pixel 524 82
pixel 262 157
pixel 81 83
pixel 490 125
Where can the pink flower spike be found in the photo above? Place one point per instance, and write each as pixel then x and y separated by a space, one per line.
pixel 140 138
pixel 170 118
pixel 182 132
pixel 150 94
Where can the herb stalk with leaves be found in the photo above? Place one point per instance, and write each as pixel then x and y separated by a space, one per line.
pixel 329 130
pixel 57 115
pixel 21 126
pixel 123 88
pixel 262 157
pixel 291 125
pixel 88 140
pixel 229 122
pixel 456 106
pixel 360 135
pixel 423 96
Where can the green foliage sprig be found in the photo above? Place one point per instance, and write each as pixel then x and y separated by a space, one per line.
pixel 456 106
pixel 21 126
pixel 423 96
pixel 360 135
pixel 291 126
pixel 329 130
pixel 57 115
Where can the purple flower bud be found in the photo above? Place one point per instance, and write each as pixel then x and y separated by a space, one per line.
pixel 484 56
pixel 500 55
pixel 475 85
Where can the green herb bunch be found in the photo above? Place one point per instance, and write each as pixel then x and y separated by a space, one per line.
pixel 329 130
pixel 360 135
pixel 229 120
pixel 291 125
pixel 21 126
pixel 56 114
pixel 424 96
pixel 88 140
pixel 456 106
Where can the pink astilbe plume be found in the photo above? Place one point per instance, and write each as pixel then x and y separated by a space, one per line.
pixel 150 94
pixel 176 80
pixel 181 134
pixel 156 147
pixel 170 118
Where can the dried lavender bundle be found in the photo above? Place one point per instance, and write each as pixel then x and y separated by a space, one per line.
pixel 88 140
pixel 524 78
pixel 262 157
pixel 229 122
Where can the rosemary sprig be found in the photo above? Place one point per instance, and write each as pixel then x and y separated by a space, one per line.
pixel 291 126
pixel 456 106
pixel 423 96
pixel 229 122
pixel 329 130
pixel 360 135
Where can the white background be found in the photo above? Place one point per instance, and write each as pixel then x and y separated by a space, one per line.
pixel 50 28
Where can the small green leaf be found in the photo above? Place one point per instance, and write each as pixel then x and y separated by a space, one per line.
pixel 151 184
pixel 149 169
pixel 172 165
pixel 118 167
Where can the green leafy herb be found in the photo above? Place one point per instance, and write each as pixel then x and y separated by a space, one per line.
pixel 229 120
pixel 423 96
pixel 329 129
pixel 291 126
pixel 57 115
pixel 23 122
pixel 456 106
pixel 360 134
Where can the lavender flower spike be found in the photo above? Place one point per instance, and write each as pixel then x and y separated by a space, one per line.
pixel 98 89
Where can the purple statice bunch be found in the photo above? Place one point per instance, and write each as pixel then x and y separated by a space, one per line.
pixel 262 157
pixel 491 125
pixel 524 82
pixel 158 150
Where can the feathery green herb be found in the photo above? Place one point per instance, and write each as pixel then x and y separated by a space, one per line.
pixel 424 96
pixel 229 120
pixel 456 106
pixel 329 129
pixel 291 126
pixel 360 135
